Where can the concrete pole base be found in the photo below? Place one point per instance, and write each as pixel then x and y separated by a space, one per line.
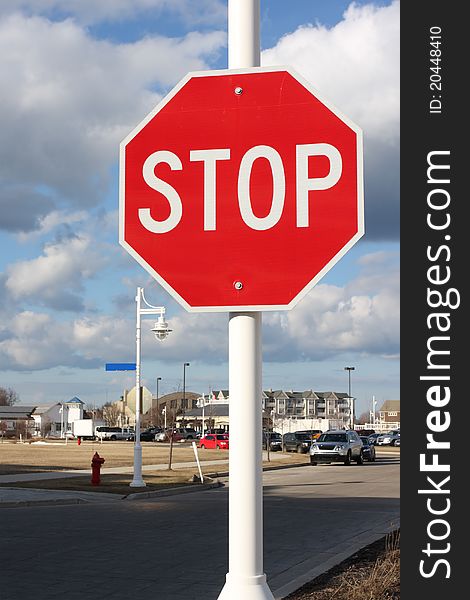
pixel 248 588
pixel 137 483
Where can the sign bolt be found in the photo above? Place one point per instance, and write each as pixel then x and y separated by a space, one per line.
pixel 238 285
pixel 238 91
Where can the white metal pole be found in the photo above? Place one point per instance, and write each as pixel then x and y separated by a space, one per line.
pixel 202 428
pixel 245 578
pixel 243 34
pixel 137 481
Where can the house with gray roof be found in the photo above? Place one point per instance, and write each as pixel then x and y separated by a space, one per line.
pixel 16 420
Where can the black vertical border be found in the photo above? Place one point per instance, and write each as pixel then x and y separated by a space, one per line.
pixel 423 132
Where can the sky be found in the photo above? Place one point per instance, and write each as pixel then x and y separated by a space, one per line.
pixel 75 79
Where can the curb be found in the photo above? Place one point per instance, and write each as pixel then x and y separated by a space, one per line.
pixel 53 502
pixel 173 491
pixel 273 468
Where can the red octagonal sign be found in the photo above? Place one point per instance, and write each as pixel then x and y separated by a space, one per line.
pixel 241 189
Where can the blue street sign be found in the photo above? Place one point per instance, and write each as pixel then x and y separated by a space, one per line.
pixel 120 367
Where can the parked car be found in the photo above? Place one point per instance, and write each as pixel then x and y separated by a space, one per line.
pixel 297 442
pixel 187 433
pixel 368 449
pixel 314 433
pixel 161 437
pixel 148 435
pixel 114 433
pixel 275 440
pixel 388 439
pixel 164 436
pixel 365 432
pixel 397 442
pixel 337 446
pixel 214 440
pixel 373 437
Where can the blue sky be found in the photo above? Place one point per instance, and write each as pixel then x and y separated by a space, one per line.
pixel 75 79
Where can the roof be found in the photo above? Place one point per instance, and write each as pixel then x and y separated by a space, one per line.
pixel 74 400
pixel 211 410
pixel 390 406
pixel 16 412
pixel 42 408
pixel 178 396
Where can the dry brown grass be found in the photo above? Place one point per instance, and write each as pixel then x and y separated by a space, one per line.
pixel 26 458
pixel 371 574
pixel 35 458
pixel 115 484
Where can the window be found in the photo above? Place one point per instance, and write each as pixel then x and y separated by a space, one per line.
pixel 393 414
pixel 193 403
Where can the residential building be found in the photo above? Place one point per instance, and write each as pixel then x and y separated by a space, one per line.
pixel 307 404
pixel 174 404
pixel 16 420
pixel 48 419
pixel 72 410
pixel 282 410
pixel 389 413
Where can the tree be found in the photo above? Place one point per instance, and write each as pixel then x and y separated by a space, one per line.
pixel 46 426
pixel 363 418
pixel 8 396
pixel 111 413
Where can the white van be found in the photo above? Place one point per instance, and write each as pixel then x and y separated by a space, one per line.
pixel 103 432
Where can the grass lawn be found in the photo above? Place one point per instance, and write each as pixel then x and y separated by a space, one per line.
pixel 58 456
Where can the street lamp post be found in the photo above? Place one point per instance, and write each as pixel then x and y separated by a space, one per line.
pixel 183 403
pixel 351 399
pixel 161 331
pixel 158 379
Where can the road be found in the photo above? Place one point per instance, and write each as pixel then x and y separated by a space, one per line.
pixel 174 547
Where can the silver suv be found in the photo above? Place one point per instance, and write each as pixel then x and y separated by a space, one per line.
pixel 389 439
pixel 337 445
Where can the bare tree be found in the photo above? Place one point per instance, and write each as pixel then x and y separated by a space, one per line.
pixel 8 396
pixel 111 413
pixel 363 418
pixel 46 426
pixel 21 428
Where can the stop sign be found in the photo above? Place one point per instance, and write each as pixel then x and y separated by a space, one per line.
pixel 241 189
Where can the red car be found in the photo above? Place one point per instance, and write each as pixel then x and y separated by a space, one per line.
pixel 214 440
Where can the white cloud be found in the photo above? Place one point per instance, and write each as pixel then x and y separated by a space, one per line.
pixel 67 104
pixel 361 318
pixel 93 11
pixel 355 65
pixel 38 341
pixel 53 220
pixel 55 277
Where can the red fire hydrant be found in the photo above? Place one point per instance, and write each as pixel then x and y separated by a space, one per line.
pixel 96 463
pixel 79 440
